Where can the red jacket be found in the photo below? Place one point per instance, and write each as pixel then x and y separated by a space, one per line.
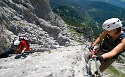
pixel 23 44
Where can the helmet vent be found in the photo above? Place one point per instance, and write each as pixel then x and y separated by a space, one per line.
pixel 108 26
pixel 114 23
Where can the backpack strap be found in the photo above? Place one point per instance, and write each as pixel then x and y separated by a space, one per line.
pixel 122 35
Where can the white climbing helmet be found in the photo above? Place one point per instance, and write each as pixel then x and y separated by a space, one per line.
pixel 111 24
pixel 17 42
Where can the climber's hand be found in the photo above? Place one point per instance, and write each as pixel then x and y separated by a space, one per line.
pixel 98 57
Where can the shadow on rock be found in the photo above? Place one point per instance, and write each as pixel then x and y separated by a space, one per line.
pixel 21 56
pixel 5 55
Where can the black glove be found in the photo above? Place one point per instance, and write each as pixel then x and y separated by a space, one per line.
pixel 99 57
pixel 91 47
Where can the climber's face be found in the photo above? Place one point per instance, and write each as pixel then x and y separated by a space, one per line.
pixel 111 32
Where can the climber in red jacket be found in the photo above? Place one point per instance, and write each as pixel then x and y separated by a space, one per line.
pixel 23 45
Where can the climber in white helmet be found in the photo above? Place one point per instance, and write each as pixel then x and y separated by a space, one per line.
pixel 110 44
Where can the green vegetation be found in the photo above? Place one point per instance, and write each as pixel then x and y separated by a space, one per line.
pixel 83 13
pixel 69 14
pixel 112 72
pixel 49 51
pixel 19 23
pixel 69 22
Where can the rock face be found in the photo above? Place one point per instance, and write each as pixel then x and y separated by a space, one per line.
pixel 34 19
pixel 65 62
